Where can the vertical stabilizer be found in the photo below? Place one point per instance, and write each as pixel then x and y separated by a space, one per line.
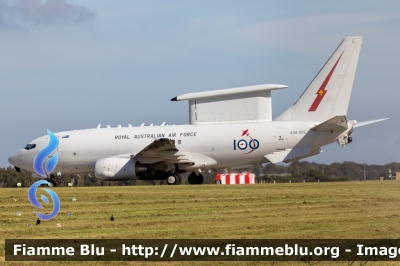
pixel 328 95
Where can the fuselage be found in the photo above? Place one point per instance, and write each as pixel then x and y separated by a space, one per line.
pixel 208 146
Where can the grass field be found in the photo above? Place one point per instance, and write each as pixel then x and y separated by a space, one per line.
pixel 263 211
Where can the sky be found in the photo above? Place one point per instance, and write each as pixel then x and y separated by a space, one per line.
pixel 74 64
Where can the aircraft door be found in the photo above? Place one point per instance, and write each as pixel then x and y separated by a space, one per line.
pixel 280 139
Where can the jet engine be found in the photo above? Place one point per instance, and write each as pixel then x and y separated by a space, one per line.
pixel 115 168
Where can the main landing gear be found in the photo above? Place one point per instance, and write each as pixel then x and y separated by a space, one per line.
pixel 194 179
pixel 174 179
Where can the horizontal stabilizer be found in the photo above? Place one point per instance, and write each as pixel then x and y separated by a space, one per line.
pixel 288 155
pixel 277 157
pixel 312 153
pixel 364 123
pixel 333 124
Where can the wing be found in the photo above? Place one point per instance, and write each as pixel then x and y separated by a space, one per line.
pixel 161 150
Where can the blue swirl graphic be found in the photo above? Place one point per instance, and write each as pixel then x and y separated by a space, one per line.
pixel 32 198
pixel 44 153
pixel 51 163
pixel 45 199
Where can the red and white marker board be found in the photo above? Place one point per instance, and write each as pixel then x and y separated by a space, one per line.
pixel 235 178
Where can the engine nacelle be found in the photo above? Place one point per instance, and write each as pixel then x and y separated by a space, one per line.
pixel 115 168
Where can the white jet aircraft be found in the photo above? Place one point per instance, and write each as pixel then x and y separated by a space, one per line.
pixel 230 128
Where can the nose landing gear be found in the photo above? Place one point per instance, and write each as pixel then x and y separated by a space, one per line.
pixel 53 181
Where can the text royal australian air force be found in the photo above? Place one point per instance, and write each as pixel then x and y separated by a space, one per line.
pixel 157 135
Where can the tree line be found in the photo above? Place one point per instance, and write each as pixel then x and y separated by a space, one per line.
pixel 294 172
pixel 314 172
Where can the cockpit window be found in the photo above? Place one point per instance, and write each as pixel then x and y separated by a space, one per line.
pixel 30 146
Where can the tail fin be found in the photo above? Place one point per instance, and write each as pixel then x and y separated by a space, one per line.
pixel 328 95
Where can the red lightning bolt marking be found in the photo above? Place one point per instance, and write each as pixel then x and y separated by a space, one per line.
pixel 321 91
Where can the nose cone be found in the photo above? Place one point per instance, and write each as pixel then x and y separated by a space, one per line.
pixel 14 159
pixel 11 159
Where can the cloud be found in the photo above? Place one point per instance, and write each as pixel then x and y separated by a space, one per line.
pixel 25 13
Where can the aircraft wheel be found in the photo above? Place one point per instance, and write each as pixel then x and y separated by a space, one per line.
pixel 179 179
pixel 200 180
pixel 173 179
pixel 192 179
pixel 53 182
